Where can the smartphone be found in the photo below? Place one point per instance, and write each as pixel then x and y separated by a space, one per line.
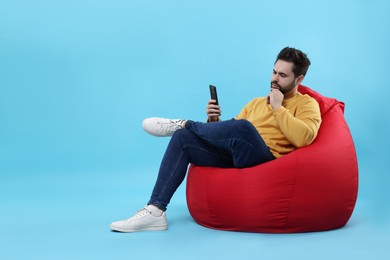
pixel 213 93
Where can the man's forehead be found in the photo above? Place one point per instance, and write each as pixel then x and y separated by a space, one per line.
pixel 284 66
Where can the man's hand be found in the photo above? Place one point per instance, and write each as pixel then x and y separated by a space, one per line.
pixel 213 111
pixel 275 98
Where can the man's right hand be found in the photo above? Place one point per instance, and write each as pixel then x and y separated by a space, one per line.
pixel 213 111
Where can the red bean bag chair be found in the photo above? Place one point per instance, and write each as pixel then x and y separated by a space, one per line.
pixel 313 188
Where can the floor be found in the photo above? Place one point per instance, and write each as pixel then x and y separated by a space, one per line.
pixel 66 216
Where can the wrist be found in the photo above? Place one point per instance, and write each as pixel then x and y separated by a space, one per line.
pixel 213 119
pixel 278 111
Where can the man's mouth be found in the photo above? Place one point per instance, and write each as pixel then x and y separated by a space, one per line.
pixel 275 85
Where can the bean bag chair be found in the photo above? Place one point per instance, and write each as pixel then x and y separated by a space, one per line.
pixel 313 188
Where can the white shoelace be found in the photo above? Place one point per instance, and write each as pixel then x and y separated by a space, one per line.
pixel 170 126
pixel 143 212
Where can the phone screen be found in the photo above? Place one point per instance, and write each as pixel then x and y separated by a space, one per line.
pixel 213 93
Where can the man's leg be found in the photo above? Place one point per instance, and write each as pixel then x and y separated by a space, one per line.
pixel 233 143
pixel 184 148
pixel 239 138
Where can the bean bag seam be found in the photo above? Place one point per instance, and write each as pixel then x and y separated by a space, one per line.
pixel 291 197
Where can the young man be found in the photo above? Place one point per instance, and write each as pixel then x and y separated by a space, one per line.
pixel 265 129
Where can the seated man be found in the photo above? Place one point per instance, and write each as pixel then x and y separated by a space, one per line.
pixel 265 129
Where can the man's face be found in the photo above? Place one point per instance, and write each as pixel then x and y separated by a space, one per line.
pixel 283 77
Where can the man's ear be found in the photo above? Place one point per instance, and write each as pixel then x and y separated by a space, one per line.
pixel 299 79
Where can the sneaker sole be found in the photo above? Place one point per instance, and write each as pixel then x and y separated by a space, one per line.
pixel 128 230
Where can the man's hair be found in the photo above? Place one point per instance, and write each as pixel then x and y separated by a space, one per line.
pixel 300 60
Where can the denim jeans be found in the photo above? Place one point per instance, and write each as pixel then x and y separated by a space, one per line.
pixel 225 144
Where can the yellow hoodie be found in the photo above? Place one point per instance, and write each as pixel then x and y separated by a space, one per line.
pixel 295 124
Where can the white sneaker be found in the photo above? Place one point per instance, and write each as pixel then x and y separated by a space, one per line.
pixel 158 126
pixel 149 218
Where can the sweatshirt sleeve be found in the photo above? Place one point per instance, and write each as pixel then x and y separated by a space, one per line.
pixel 244 111
pixel 300 129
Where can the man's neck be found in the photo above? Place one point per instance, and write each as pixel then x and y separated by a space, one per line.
pixel 291 93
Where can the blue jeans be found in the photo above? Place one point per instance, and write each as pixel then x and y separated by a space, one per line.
pixel 225 144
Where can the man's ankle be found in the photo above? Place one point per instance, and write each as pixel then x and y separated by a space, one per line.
pixel 155 210
pixel 183 124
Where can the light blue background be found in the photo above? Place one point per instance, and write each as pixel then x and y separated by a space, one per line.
pixel 78 77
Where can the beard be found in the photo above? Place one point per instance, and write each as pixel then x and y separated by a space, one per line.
pixel 283 89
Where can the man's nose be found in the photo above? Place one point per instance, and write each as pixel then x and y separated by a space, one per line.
pixel 275 78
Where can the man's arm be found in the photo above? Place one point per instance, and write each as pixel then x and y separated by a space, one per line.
pixel 301 129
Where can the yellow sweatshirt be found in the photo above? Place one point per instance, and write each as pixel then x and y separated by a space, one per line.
pixel 295 124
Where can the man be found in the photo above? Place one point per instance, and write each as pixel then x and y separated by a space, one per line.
pixel 265 129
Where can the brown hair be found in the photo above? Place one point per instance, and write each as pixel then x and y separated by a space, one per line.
pixel 300 60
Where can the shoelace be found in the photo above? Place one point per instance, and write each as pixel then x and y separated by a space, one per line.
pixel 172 125
pixel 140 214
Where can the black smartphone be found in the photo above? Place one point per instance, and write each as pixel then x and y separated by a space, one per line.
pixel 213 93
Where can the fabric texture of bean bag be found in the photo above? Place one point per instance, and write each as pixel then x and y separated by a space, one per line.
pixel 313 188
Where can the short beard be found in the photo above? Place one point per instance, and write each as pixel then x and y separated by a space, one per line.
pixel 284 90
